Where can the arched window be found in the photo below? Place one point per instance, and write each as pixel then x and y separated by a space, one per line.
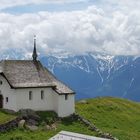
pixel 0 82
pixel 30 95
pixel 42 94
pixel 66 97
pixel 7 99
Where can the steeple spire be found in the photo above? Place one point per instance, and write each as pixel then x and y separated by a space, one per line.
pixel 34 55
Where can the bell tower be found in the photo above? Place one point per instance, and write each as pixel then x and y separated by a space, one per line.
pixel 34 55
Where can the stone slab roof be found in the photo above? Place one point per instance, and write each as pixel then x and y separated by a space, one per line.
pixel 65 135
pixel 31 74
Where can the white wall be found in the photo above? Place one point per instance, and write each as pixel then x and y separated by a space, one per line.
pixel 6 91
pixel 51 101
pixel 36 103
pixel 66 107
pixel 55 101
pixel 19 99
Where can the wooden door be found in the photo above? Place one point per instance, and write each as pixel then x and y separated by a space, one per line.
pixel 1 101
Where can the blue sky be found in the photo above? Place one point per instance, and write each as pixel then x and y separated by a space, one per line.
pixel 76 26
pixel 51 7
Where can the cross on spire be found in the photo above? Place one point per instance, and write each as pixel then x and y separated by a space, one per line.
pixel 34 55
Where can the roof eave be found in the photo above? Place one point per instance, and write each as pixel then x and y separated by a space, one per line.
pixel 63 93
pixel 6 79
pixel 50 86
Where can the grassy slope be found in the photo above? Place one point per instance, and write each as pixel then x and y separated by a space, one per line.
pixel 5 117
pixel 119 117
pixel 116 116
pixel 66 124
pixel 44 135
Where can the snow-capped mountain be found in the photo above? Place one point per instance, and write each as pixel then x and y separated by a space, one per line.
pixel 92 75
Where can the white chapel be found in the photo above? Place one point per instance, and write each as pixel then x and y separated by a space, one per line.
pixel 27 84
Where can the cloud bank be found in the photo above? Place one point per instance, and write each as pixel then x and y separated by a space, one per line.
pixel 89 30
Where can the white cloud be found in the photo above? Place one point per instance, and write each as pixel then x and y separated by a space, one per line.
pixel 93 29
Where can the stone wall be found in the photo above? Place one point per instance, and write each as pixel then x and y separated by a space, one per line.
pixel 94 128
pixel 9 125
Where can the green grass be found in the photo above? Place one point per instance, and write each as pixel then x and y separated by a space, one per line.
pixel 49 117
pixel 67 124
pixel 44 134
pixel 4 117
pixel 119 117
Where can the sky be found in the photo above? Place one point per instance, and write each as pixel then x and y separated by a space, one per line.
pixel 73 26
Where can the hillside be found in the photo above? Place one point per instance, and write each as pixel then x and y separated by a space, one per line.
pixel 119 117
pixel 92 75
pixel 4 117
pixel 43 133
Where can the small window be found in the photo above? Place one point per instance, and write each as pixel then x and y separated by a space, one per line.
pixel 6 99
pixel 30 95
pixel 0 82
pixel 42 94
pixel 66 97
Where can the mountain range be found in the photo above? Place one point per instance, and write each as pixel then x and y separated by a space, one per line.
pixel 91 75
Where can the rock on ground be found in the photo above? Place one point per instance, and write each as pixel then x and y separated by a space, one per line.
pixel 21 124
pixel 31 127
